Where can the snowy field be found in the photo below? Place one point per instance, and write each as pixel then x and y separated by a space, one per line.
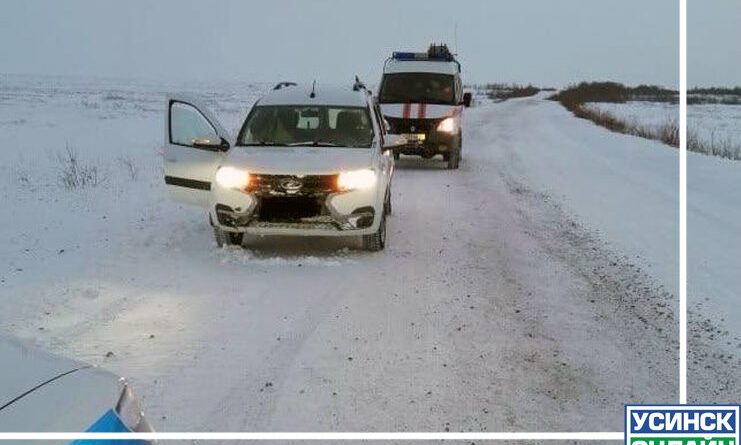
pixel 533 289
pixel 713 123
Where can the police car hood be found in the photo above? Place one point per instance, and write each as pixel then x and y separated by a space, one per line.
pixel 299 160
pixel 27 368
pixel 43 392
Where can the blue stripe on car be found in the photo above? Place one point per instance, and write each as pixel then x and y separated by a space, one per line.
pixel 109 423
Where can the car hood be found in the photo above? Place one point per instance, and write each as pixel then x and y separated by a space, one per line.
pixel 299 160
pixel 41 392
pixel 28 368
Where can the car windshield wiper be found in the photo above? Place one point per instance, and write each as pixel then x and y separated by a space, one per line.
pixel 313 144
pixel 250 144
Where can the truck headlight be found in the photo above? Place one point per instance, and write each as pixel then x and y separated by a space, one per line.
pixel 356 180
pixel 448 125
pixel 232 178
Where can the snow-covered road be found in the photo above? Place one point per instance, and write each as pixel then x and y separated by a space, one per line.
pixel 510 298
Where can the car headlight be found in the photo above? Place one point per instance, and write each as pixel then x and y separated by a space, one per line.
pixel 356 180
pixel 232 178
pixel 448 125
pixel 129 410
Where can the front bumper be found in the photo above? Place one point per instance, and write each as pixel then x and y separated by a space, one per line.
pixel 304 213
pixel 423 137
pixel 428 144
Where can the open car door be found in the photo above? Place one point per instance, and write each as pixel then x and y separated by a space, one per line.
pixel 195 143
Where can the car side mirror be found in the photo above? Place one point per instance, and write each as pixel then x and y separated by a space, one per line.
pixel 393 141
pixel 466 100
pixel 210 144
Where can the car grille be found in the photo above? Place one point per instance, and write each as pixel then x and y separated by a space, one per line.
pixel 310 185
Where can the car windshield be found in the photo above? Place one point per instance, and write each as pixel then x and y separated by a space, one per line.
pixel 311 126
pixel 417 87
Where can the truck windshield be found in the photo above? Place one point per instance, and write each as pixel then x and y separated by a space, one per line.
pixel 429 88
pixel 310 126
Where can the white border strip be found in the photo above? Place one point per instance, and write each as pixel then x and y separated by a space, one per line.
pixel 315 436
pixel 590 436
pixel 682 201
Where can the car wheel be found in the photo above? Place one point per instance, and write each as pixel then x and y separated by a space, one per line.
pixel 224 238
pixel 460 145
pixel 376 241
pixel 453 160
pixel 387 203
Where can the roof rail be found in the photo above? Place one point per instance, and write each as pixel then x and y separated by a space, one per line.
pixel 281 85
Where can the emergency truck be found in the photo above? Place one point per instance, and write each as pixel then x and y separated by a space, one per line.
pixel 422 99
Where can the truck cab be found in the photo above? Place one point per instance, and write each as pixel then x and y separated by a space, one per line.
pixel 421 97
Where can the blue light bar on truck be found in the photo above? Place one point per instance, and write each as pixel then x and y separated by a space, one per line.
pixel 399 55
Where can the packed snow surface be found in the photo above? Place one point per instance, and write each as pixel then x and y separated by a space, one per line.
pixel 533 289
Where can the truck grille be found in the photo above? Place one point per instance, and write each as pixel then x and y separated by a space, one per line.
pixel 400 125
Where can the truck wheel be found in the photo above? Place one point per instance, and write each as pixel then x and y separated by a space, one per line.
pixel 453 159
pixel 224 238
pixel 376 241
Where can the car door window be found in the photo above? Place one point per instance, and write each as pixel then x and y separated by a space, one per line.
pixel 188 125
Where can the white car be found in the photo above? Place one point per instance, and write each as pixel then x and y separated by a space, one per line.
pixel 308 160
pixel 41 393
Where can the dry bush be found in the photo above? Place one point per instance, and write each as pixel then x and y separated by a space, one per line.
pixel 667 132
pixel 502 92
pixel 613 92
pixel 129 165
pixel 72 173
pixel 716 145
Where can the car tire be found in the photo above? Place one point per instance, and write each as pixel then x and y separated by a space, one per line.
pixel 376 241
pixel 460 146
pixel 387 203
pixel 224 238
pixel 454 159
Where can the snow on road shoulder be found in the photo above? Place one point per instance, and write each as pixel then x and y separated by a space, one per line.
pixel 625 189
pixel 622 187
pixel 713 278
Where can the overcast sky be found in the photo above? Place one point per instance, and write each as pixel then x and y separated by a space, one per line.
pixel 713 42
pixel 547 42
